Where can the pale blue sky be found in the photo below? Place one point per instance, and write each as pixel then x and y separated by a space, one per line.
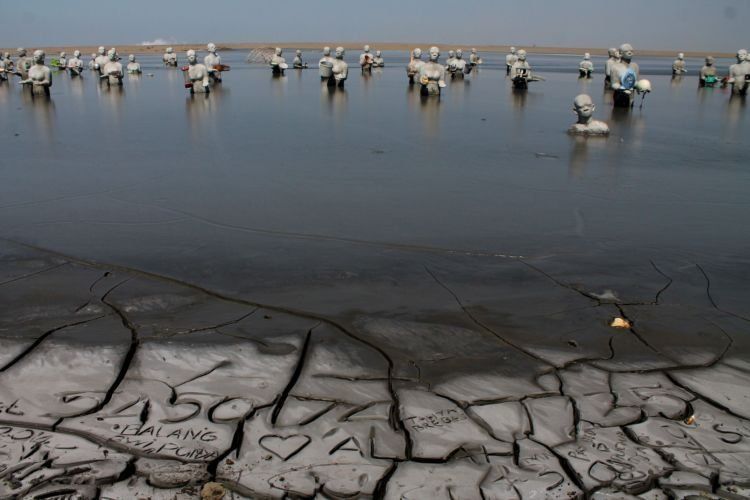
pixel 711 25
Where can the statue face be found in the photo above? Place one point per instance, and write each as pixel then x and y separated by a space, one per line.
pixel 521 55
pixel 680 56
pixel 211 47
pixel 39 57
pixel 418 53
pixel 459 54
pixel 340 52
pixel 21 52
pixel 278 51
pixel 131 58
pixel 584 106
pixel 626 52
pixel 512 50
pixel 191 57
pixel 169 50
pixel 367 48
pixel 741 55
pixel 434 54
pixel 326 51
pixel 101 51
pixel 112 55
pixel 77 53
pixel 451 53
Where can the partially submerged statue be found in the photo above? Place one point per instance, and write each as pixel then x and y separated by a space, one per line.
pixel 614 58
pixel 297 62
pixel 92 62
pixel 624 76
pixel 432 75
pixel 366 60
pixel 22 64
pixel 416 62
pixel 169 58
pixel 101 60
pixel 378 61
pixel 340 69
pixel 458 67
pixel 39 78
pixel 112 71
pixel 325 65
pixel 584 108
pixel 707 76
pixel 62 61
pixel 450 59
pixel 278 63
pixel 196 75
pixel 586 67
pixel 75 64
pixel 474 58
pixel 213 63
pixel 6 66
pixel 134 68
pixel 520 72
pixel 678 66
pixel 739 74
pixel 510 59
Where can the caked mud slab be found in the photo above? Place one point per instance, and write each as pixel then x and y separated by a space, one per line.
pixel 119 384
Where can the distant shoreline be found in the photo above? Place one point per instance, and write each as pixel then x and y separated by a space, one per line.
pixel 352 46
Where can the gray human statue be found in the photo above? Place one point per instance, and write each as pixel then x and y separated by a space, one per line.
pixel 340 68
pixel 297 62
pixel 4 68
pixel 474 58
pixel 614 58
pixel 101 60
pixel 451 57
pixel 278 63
pixel 415 63
pixel 624 76
pixel 196 75
pixel 325 65
pixel 39 76
pixel 92 62
pixel 583 107
pixel 458 68
pixel 739 74
pixel 432 75
pixel 707 75
pixel 112 71
pixel 133 67
pixel 62 61
pixel 75 64
pixel 378 61
pixel 679 67
pixel 22 63
pixel 510 59
pixel 212 61
pixel 520 72
pixel 169 58
pixel 365 60
pixel 586 67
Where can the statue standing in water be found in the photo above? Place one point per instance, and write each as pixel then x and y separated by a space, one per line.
pixel 679 67
pixel 75 65
pixel 586 67
pixel 62 62
pixel 416 62
pixel 614 58
pixel 213 63
pixel 510 59
pixel 169 58
pixel 624 76
pixel 112 71
pixel 22 64
pixel 520 72
pixel 196 75
pixel 365 60
pixel 584 108
pixel 450 59
pixel 378 61
pixel 432 75
pixel 4 70
pixel 297 62
pixel 739 74
pixel 92 62
pixel 474 59
pixel 340 68
pixel 458 68
pixel 101 60
pixel 707 77
pixel 134 68
pixel 325 65
pixel 39 78
pixel 278 63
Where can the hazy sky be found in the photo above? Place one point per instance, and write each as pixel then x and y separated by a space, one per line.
pixel 711 25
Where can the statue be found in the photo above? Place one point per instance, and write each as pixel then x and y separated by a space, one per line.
pixel 340 69
pixel 196 75
pixel 278 63
pixel 39 78
pixel 678 66
pixel 584 108
pixel 92 62
pixel 614 58
pixel 101 60
pixel 75 65
pixel 297 62
pixel 624 76
pixel 213 63
pixel 707 76
pixel 5 68
pixel 520 72
pixel 739 74
pixel 458 68
pixel 416 62
pixel 22 64
pixel 432 75
pixel 474 59
pixel 169 58
pixel 325 65
pixel 112 71
pixel 378 61
pixel 62 61
pixel 586 67
pixel 510 59
pixel 450 59
pixel 133 67
pixel 365 60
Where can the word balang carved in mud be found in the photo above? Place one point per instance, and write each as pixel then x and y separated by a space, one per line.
pixel 129 436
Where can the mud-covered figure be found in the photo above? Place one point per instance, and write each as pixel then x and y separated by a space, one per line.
pixel 458 67
pixel 325 65
pixel 101 60
pixel 133 67
pixel 297 63
pixel 739 74
pixel 6 67
pixel 510 59
pixel 586 67
pixel 365 60
pixel 378 61
pixel 340 69
pixel 624 76
pixel 62 61
pixel 707 76
pixel 278 63
pixel 474 59
pixel 92 63
pixel 196 75
pixel 22 63
pixel 584 108
pixel 75 64
pixel 520 72
pixel 416 62
pixel 613 58
pixel 112 71
pixel 213 63
pixel 169 58
pixel 450 59
pixel 39 76
pixel 432 75
pixel 679 67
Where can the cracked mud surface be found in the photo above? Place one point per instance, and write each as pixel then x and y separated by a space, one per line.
pixel 115 383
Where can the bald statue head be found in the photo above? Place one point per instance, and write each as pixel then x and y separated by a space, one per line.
pixel 191 57
pixel 626 52
pixel 21 52
pixel 39 56
pixel 741 55
pixel 327 51
pixel 102 51
pixel 434 54
pixel 612 52
pixel 211 47
pixel 417 53
pixel 584 106
pixel 278 51
pixel 340 52
pixel 521 55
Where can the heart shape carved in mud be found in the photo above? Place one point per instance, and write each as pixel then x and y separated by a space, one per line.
pixel 284 447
